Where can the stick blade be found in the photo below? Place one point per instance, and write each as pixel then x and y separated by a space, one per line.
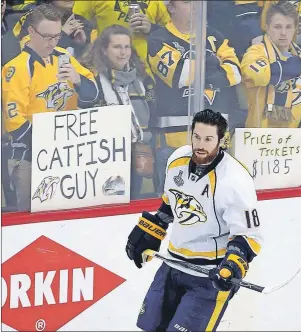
pixel 268 290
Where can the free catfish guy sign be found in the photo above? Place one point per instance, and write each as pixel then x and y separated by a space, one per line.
pixel 81 158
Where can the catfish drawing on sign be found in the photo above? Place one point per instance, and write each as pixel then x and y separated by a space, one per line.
pixel 188 210
pixel 46 188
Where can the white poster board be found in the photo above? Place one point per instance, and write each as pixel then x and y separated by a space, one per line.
pixel 81 158
pixel 272 155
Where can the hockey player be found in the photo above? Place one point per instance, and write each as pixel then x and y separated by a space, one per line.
pixel 211 200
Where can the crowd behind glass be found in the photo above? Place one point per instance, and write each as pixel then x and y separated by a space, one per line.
pixel 60 55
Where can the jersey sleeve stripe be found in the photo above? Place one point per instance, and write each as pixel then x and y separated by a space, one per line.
pixel 184 161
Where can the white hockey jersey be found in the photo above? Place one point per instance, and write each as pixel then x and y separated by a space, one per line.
pixel 211 210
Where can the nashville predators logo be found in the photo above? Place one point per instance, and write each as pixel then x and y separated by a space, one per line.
pixel 56 95
pixel 47 188
pixel 188 210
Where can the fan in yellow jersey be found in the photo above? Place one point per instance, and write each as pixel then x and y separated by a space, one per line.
pixel 169 56
pixel 116 12
pixel 77 32
pixel 33 82
pixel 271 72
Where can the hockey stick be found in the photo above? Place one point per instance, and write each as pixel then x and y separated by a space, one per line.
pixel 200 269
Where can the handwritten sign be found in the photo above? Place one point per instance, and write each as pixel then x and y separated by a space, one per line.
pixel 272 155
pixel 81 158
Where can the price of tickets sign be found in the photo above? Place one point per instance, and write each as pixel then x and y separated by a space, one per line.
pixel 272 155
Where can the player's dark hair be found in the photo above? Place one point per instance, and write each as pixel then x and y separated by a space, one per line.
pixel 284 8
pixel 95 58
pixel 211 118
pixel 43 12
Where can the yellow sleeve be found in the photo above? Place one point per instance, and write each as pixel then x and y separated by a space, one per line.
pixel 230 63
pixel 84 8
pixel 255 67
pixel 162 14
pixel 15 95
pixel 82 70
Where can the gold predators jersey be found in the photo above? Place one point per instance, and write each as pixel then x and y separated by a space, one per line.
pixel 171 59
pixel 30 85
pixel 210 210
pixel 256 72
pixel 112 12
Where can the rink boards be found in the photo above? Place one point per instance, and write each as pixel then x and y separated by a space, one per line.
pixel 75 276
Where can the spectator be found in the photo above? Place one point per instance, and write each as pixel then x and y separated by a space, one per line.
pixel 120 76
pixel 12 46
pixel 169 57
pixel 107 13
pixel 271 72
pixel 76 30
pixel 33 82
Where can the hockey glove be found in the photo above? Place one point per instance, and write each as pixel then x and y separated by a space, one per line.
pixel 148 234
pixel 234 265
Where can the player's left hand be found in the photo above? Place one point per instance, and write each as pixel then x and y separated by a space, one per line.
pixel 234 265
pixel 68 72
pixel 140 23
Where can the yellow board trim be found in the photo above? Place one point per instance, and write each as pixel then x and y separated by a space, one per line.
pixel 212 179
pixel 151 228
pixel 220 302
pixel 200 254
pixel 184 161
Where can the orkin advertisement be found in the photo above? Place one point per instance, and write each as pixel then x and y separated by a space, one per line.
pixel 81 158
pixel 272 155
pixel 45 285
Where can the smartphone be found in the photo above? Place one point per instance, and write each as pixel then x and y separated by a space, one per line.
pixel 63 59
pixel 133 9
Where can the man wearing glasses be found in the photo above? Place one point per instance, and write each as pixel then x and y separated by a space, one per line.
pixel 43 78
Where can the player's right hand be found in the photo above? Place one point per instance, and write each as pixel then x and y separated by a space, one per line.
pixel 148 234
pixel 234 265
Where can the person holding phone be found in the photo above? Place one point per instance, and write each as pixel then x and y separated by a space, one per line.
pixel 43 78
pixel 148 17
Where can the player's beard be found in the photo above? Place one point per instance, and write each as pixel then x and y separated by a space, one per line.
pixel 205 158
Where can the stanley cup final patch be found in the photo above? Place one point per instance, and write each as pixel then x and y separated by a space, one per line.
pixel 178 179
